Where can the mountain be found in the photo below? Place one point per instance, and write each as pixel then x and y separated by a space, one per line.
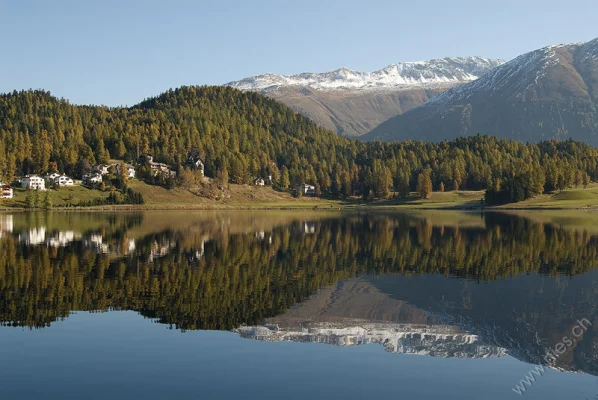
pixel 352 102
pixel 550 93
pixel 354 312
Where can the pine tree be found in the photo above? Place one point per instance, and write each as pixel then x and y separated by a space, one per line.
pixel 586 180
pixel 284 178
pixel 123 175
pixel 424 184
pixel 47 201
pixel 35 199
pixel 29 203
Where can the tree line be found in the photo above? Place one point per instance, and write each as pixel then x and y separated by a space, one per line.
pixel 242 136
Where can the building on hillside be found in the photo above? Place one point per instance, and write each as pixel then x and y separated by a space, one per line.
pixel 92 178
pixel 158 168
pixel 259 182
pixel 57 179
pixel 33 182
pixel 6 191
pixel 51 177
pixel 64 180
pixel 130 170
pixel 146 158
pixel 195 162
pixel 263 181
pixel 103 169
pixel 306 189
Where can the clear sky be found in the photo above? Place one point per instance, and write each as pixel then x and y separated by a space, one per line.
pixel 117 52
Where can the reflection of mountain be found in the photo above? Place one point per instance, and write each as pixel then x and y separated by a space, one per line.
pixel 353 312
pixel 437 341
pixel 199 275
pixel 527 315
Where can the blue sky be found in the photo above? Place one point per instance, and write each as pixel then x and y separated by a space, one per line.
pixel 119 52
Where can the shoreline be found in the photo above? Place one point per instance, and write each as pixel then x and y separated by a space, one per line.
pixel 304 207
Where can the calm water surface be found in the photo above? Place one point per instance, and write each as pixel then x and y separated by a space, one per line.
pixel 303 305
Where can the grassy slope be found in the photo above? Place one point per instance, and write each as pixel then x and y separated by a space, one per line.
pixel 245 196
pixel 241 196
pixel 59 198
pixel 576 198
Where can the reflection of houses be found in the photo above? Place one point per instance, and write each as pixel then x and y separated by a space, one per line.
pixel 261 236
pixel 157 168
pixel 95 242
pixel 309 227
pixel 6 224
pixel 161 249
pixel 40 235
pixel 6 191
pixel 34 236
pixel 61 239
pixel 33 182
pixel 195 162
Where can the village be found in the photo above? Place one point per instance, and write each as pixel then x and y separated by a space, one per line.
pixel 98 176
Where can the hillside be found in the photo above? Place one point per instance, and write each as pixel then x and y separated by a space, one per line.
pixel 550 93
pixel 353 102
pixel 242 135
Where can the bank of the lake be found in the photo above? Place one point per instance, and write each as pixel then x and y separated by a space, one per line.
pixel 247 197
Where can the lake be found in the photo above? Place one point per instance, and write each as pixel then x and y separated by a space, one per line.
pixel 298 305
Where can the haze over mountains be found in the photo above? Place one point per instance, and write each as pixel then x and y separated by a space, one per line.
pixel 353 102
pixel 550 93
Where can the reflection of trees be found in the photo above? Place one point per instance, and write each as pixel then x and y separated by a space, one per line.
pixel 239 278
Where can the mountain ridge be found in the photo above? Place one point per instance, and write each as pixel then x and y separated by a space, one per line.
pixel 352 103
pixel 447 70
pixel 548 93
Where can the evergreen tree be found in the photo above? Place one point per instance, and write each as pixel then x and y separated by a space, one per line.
pixel 285 181
pixel 424 184
pixel 47 201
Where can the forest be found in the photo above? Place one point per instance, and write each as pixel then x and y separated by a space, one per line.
pixel 242 136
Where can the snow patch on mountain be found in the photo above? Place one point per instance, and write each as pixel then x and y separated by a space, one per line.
pixel 516 75
pixel 429 340
pixel 437 72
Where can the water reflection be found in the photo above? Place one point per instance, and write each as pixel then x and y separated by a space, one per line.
pixel 462 285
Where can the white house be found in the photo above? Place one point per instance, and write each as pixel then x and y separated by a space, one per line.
pixel 64 180
pixel 130 170
pixel 51 177
pixel 157 168
pixel 92 178
pixel 6 191
pixel 259 182
pixel 195 162
pixel 33 182
pixel 308 189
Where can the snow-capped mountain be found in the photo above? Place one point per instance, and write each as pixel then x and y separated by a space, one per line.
pixel 549 93
pixel 438 72
pixel 352 102
pixel 430 340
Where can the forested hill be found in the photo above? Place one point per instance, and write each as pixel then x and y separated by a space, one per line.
pixel 249 135
pixel 246 131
